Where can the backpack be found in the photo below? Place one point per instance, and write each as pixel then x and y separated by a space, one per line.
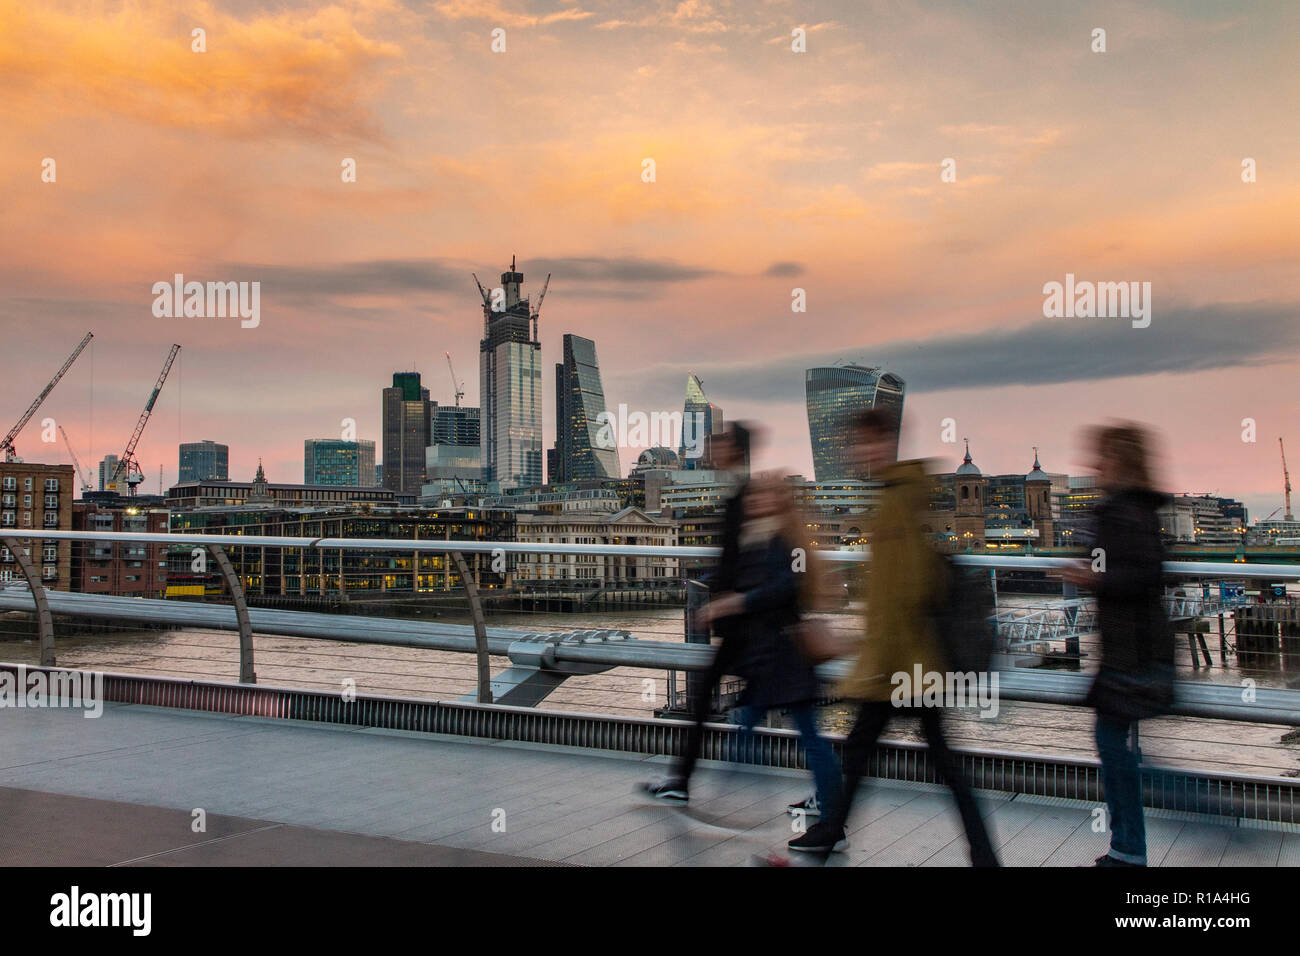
pixel 963 617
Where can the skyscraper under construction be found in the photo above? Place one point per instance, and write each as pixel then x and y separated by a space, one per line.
pixel 510 384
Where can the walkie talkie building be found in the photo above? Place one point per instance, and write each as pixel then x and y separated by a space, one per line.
pixel 834 393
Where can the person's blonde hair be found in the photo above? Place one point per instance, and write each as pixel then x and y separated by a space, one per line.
pixel 1127 446
pixel 794 531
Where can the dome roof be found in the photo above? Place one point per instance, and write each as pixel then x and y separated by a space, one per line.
pixel 658 456
pixel 967 467
pixel 1036 473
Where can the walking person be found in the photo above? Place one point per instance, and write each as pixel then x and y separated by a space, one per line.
pixel 773 580
pixel 728 452
pixel 1135 679
pixel 901 593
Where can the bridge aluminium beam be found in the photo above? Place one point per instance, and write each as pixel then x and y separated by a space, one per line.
pixel 590 651
pixel 1230 569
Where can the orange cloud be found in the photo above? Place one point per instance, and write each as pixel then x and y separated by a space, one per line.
pixel 304 73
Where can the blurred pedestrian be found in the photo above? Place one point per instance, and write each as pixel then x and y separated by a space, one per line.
pixel 902 593
pixel 1135 679
pixel 773 579
pixel 728 452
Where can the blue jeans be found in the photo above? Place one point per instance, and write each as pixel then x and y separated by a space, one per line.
pixel 821 757
pixel 1121 778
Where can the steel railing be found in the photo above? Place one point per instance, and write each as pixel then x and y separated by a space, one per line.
pixel 575 651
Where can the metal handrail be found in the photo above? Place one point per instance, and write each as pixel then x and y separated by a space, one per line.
pixel 1030 563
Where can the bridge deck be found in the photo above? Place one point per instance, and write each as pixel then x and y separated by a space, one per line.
pixel 120 790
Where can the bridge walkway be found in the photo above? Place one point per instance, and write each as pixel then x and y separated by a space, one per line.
pixel 121 789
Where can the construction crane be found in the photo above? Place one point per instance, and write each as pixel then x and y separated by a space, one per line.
pixel 1286 479
pixel 8 442
pixel 537 312
pixel 458 389
pixel 81 475
pixel 487 299
pixel 127 466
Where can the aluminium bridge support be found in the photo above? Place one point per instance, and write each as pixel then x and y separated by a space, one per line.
pixel 246 673
pixel 44 621
pixel 480 628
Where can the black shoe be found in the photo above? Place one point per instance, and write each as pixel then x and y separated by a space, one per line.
pixel 808 807
pixel 667 789
pixel 820 838
pixel 1109 860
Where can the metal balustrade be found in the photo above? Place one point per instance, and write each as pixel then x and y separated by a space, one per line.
pixel 504 704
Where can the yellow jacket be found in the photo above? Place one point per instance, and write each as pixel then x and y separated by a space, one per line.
pixel 900 588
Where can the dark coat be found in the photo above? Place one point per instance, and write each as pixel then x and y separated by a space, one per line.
pixel 776 672
pixel 723 577
pixel 1136 676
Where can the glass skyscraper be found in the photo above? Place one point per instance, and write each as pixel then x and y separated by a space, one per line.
pixel 203 461
pixel 834 394
pixel 407 425
pixel 332 461
pixel 510 387
pixel 700 418
pixel 453 425
pixel 581 451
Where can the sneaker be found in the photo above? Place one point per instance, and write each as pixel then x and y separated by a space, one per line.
pixel 1109 860
pixel 668 789
pixel 808 807
pixel 820 838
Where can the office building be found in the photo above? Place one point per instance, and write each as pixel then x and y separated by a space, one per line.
pixel 585 444
pixel 700 419
pixel 453 425
pixel 451 470
pixel 1204 520
pixel 510 386
pixel 835 393
pixel 211 494
pixel 331 461
pixel 107 466
pixel 630 526
pixel 407 417
pixel 203 461
pixel 125 568
pixel 368 574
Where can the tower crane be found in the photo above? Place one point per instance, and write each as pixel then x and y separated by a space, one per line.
pixel 537 312
pixel 459 389
pixel 127 466
pixel 7 443
pixel 76 463
pixel 487 300
pixel 1286 479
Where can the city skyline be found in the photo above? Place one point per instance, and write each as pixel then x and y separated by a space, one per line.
pixel 819 171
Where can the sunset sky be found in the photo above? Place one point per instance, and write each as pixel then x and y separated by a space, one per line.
pixel 775 170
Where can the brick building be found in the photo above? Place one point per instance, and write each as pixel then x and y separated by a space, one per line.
pixel 126 569
pixel 37 496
